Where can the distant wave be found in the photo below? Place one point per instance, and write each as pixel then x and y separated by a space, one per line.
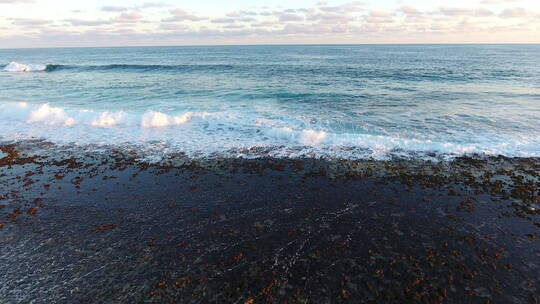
pixel 391 74
pixel 21 67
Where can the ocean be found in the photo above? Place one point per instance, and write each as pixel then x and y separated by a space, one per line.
pixel 332 101
pixel 270 174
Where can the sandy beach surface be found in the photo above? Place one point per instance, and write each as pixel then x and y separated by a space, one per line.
pixel 106 227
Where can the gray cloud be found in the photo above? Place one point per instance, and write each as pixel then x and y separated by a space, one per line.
pixel 30 22
pixel 146 5
pixel 375 17
pixel 80 22
pixel 498 1
pixel 180 15
pixel 344 8
pixel 286 17
pixel 456 12
pixel 234 26
pixel 175 27
pixel 223 20
pixel 16 1
pixel 410 11
pixel 330 17
pixel 115 8
pixel 154 4
pixel 240 14
pixel 132 17
pixel 517 12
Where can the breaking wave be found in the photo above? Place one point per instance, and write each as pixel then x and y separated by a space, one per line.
pixel 45 114
pixel 233 133
pixel 21 67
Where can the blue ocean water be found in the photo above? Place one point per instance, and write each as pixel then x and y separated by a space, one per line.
pixel 350 101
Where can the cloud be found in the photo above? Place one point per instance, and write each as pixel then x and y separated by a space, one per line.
pixel 517 12
pixel 344 8
pixel 154 5
pixel 146 5
pixel 15 1
pixel 240 14
pixel 80 22
pixel 498 1
pixel 410 11
pixel 379 17
pixel 150 23
pixel 457 12
pixel 115 8
pixel 223 20
pixel 30 22
pixel 180 15
pixel 286 17
pixel 331 9
pixel 339 14
pixel 330 17
pixel 132 17
pixel 175 27
pixel 234 26
pixel 266 24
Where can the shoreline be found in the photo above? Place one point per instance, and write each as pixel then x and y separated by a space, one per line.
pixel 108 227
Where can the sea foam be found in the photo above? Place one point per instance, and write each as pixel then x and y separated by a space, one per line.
pixel 233 133
pixel 51 116
pixel 108 119
pixel 20 67
pixel 154 119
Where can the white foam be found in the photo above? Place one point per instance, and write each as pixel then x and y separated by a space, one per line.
pixel 108 119
pixel 20 67
pixel 154 119
pixel 302 137
pixel 233 133
pixel 51 116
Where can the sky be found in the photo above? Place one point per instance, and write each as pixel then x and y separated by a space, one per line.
pixel 73 23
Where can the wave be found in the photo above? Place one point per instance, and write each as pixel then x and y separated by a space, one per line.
pixel 236 133
pixel 21 67
pixel 344 71
pixel 45 114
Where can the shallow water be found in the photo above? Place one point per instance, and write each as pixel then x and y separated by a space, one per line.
pixel 341 101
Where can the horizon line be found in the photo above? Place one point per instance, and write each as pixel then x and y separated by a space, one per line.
pixel 267 44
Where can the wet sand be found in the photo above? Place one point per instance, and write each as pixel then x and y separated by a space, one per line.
pixel 108 228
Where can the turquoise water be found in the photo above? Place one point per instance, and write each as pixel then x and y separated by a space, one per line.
pixel 344 101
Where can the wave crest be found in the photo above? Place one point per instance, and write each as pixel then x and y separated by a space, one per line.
pixel 209 133
pixel 51 116
pixel 108 119
pixel 159 120
pixel 21 67
pixel 46 114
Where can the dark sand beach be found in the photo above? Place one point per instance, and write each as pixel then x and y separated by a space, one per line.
pixel 106 227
